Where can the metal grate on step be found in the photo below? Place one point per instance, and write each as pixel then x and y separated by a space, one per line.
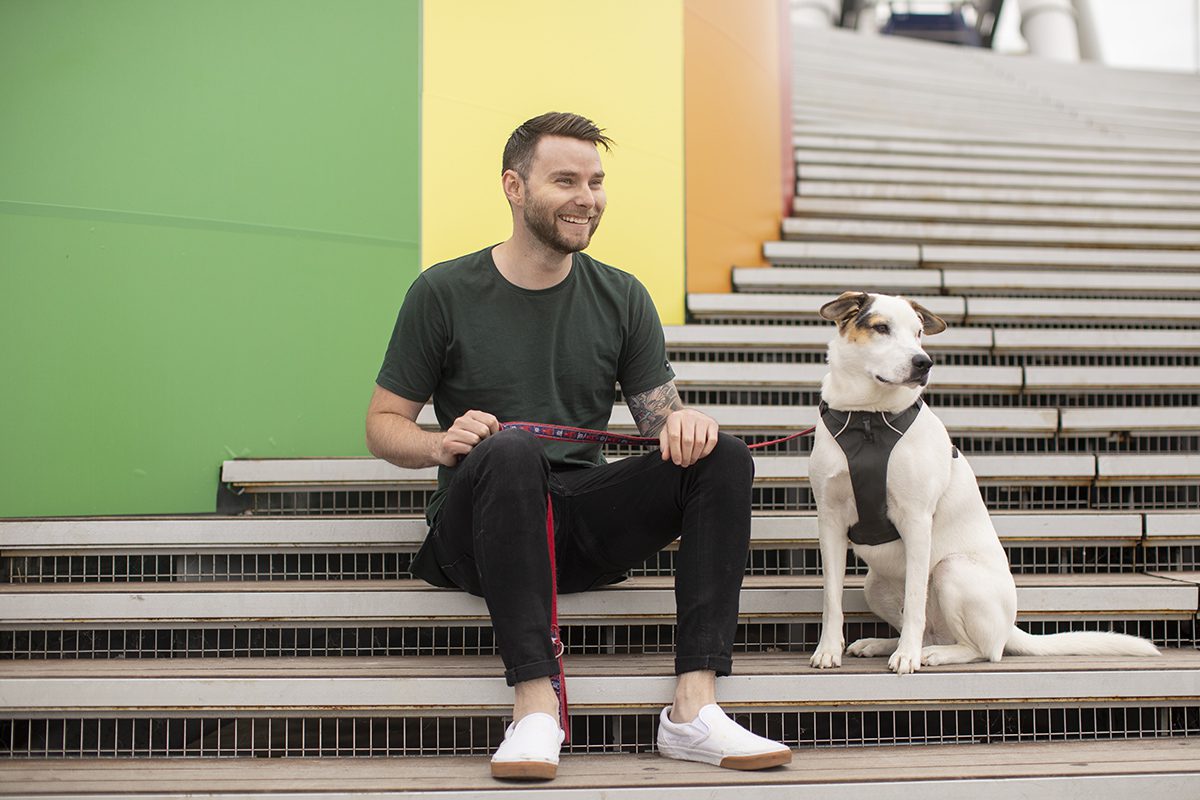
pixel 952 359
pixel 462 640
pixel 1174 558
pixel 332 737
pixel 395 565
pixel 1044 323
pixel 950 399
pixel 207 567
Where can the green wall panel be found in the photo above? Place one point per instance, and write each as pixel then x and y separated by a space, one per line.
pixel 208 218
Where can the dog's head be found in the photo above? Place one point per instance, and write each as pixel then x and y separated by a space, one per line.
pixel 880 336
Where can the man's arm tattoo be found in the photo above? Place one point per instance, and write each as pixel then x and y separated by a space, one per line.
pixel 651 409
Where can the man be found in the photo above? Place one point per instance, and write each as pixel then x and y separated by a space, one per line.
pixel 534 330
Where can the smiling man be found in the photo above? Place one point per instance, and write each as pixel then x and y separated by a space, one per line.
pixel 533 329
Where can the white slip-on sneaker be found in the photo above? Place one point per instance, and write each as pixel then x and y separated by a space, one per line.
pixel 714 738
pixel 530 749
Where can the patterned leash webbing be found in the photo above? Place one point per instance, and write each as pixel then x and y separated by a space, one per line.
pixel 560 682
pixel 567 433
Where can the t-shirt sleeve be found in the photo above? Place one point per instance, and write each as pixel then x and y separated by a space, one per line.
pixel 412 365
pixel 644 364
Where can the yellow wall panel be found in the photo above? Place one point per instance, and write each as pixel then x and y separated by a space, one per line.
pixel 490 66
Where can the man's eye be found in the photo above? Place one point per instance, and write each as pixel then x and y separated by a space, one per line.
pixel 881 329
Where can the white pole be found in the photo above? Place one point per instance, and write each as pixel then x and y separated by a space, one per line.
pixel 1089 35
pixel 821 13
pixel 1049 28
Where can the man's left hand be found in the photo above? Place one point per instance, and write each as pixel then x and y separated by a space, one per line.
pixel 687 436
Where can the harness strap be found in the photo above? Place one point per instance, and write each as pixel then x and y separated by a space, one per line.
pixel 560 682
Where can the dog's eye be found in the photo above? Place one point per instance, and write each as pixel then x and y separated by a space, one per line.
pixel 882 329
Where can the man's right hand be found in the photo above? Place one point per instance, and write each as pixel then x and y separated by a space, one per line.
pixel 467 431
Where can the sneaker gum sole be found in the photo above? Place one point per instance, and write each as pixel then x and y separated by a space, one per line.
pixel 524 770
pixel 776 758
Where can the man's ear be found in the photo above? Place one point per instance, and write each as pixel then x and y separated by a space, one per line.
pixel 845 307
pixel 931 322
pixel 514 187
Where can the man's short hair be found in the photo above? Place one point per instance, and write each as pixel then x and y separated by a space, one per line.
pixel 518 152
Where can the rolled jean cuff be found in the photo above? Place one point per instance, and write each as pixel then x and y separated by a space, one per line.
pixel 528 672
pixel 722 665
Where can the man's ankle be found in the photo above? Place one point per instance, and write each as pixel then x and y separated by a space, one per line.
pixel 533 696
pixel 694 691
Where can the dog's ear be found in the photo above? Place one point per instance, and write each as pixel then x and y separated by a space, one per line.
pixel 845 307
pixel 930 321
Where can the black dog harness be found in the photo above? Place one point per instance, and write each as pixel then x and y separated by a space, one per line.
pixel 867 438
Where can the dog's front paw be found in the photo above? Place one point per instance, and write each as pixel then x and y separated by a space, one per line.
pixel 905 661
pixel 870 648
pixel 828 655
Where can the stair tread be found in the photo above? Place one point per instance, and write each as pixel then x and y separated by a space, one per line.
pixel 810 766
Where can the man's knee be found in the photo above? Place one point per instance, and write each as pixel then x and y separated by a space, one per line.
pixel 511 448
pixel 731 457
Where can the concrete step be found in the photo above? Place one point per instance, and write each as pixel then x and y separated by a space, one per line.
pixel 978 233
pixel 1101 770
pixel 1181 175
pixel 257 475
pixel 976 256
pixel 917 136
pixel 1052 200
pixel 967 176
pixel 1087 152
pixel 1033 342
pixel 973 282
pixel 636 601
pixel 21 538
pixel 1007 213
pixel 449 686
pixel 958 310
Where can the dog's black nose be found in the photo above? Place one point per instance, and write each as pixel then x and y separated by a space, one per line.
pixel 922 363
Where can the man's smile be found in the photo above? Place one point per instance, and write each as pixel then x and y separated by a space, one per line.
pixel 574 220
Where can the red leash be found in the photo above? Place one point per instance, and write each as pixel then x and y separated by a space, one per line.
pixel 568 433
pixel 559 683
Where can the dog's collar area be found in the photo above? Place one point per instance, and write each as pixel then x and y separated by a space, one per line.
pixel 898 422
pixel 867 438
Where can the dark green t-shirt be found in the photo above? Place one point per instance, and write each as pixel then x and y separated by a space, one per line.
pixel 472 340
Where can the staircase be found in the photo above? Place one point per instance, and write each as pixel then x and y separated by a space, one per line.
pixel 1048 213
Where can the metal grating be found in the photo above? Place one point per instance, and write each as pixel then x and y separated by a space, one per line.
pixel 798 497
pixel 394 565
pixel 1171 557
pixel 969 358
pixel 332 737
pixel 1004 444
pixel 1045 323
pixel 465 640
pixel 950 399
pixel 1148 496
pixel 207 567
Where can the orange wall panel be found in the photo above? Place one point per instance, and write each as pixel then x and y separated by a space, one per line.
pixel 733 136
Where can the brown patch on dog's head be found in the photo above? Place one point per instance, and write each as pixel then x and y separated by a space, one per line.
pixel 852 312
pixel 931 323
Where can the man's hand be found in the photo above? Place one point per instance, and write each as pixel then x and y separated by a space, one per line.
pixel 687 436
pixel 467 431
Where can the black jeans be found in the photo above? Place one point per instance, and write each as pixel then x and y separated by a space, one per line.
pixel 490 540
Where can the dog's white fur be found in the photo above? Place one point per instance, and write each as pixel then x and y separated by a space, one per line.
pixel 945 585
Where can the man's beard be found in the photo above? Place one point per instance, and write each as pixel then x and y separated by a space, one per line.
pixel 542 223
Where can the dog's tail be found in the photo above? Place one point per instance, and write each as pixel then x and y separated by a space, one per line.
pixel 1077 643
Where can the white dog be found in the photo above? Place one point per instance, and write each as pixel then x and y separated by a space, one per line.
pixel 945 582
